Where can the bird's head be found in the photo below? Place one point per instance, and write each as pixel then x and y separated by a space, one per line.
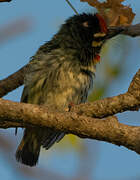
pixel 85 33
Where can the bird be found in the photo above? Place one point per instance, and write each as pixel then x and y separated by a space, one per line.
pixel 61 72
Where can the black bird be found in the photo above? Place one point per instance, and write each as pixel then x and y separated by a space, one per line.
pixel 60 73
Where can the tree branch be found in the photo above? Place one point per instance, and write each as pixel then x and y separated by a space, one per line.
pixel 5 1
pixel 12 82
pixel 109 129
pixel 113 105
pixel 132 30
pixel 79 121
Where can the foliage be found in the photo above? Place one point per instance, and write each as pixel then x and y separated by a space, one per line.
pixel 113 11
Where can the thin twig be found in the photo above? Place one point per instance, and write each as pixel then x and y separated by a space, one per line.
pixel 72 7
pixel 5 1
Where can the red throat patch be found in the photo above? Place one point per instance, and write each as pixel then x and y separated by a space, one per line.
pixel 96 58
pixel 102 23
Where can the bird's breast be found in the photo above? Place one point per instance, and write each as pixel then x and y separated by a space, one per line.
pixel 71 87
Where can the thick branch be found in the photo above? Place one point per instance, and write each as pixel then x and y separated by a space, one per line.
pixel 108 106
pixel 132 30
pixel 109 129
pixel 113 105
pixel 78 121
pixel 12 82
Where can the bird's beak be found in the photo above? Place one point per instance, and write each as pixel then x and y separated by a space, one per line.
pixel 101 37
pixel 110 33
pixel 113 31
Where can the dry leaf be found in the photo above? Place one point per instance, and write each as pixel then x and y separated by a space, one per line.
pixel 115 13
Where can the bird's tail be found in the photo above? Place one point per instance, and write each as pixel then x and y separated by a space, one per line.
pixel 29 148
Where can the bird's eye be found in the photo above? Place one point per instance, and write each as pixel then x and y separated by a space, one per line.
pixel 85 24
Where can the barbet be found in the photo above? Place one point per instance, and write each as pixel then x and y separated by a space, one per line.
pixel 60 73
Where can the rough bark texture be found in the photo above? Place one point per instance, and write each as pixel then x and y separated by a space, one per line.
pixel 79 120
pixel 14 114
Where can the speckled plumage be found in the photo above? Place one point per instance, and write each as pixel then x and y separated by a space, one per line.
pixel 60 73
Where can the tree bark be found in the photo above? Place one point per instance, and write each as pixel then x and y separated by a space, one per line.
pixel 13 114
pixel 81 119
